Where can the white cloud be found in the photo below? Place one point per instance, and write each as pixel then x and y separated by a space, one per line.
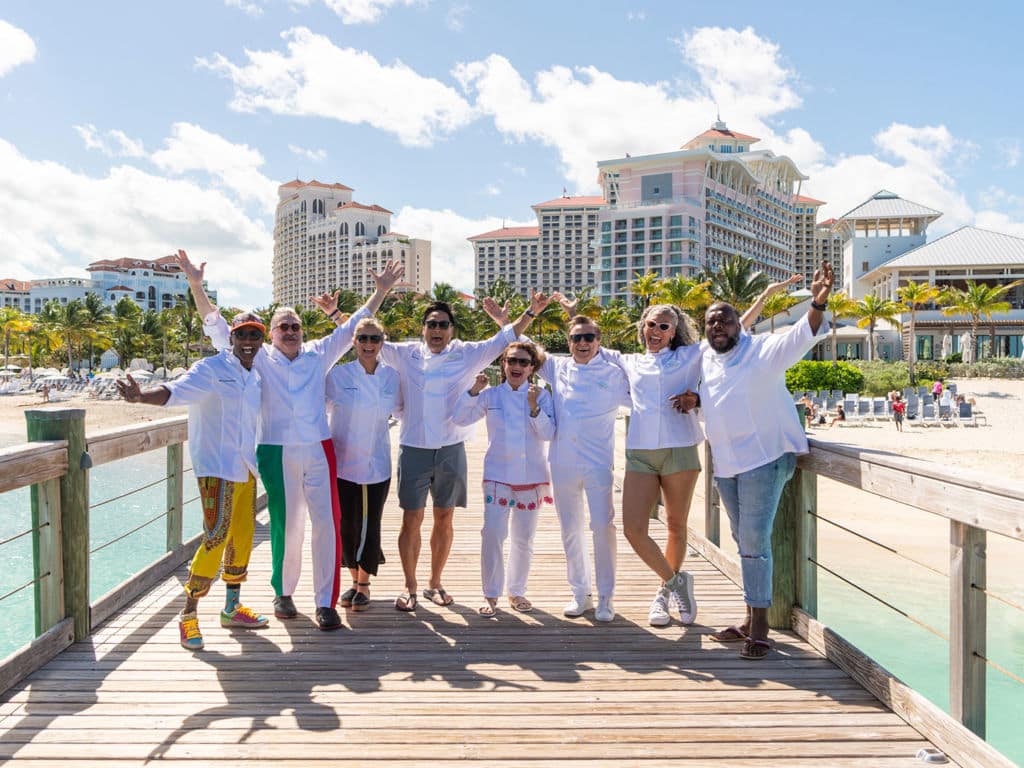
pixel 455 18
pixel 518 170
pixel 58 220
pixel 313 155
pixel 249 8
pixel 636 15
pixel 315 77
pixel 1012 152
pixel 363 11
pixel 451 254
pixel 235 166
pixel 113 143
pixel 16 47
pixel 493 190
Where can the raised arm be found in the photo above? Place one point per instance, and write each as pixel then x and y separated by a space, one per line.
pixel 131 392
pixel 821 287
pixel 194 275
pixel 538 303
pixel 385 281
pixel 750 316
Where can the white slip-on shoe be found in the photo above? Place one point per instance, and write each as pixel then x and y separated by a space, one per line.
pixel 658 616
pixel 605 609
pixel 578 606
pixel 681 589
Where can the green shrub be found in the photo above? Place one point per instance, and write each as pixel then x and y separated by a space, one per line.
pixel 882 377
pixel 997 368
pixel 817 375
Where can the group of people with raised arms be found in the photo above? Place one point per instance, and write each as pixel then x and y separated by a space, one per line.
pixel 318 435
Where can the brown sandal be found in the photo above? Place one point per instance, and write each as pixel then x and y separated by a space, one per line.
pixel 489 609
pixel 520 603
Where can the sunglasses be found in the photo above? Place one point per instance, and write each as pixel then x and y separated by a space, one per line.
pixel 293 327
pixel 373 338
pixel 522 362
pixel 442 324
pixel 662 326
pixel 576 338
pixel 248 334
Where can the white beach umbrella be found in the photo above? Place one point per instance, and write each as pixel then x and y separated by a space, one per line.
pixel 965 348
pixel 947 345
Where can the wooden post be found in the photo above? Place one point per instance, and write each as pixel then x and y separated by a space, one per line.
pixel 712 503
pixel 805 491
pixel 175 474
pixel 47 568
pixel 785 573
pixel 69 424
pixel 967 616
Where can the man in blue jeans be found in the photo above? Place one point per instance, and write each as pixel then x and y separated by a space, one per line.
pixel 755 435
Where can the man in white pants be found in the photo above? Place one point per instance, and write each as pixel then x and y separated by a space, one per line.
pixel 587 391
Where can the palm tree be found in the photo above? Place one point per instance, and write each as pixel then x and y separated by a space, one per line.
pixel 777 304
pixel 915 295
pixel 587 303
pixel 618 327
pixel 400 314
pixel 738 282
pixel 978 300
pixel 840 305
pixel 188 320
pixel 12 320
pixel 870 310
pixel 644 287
pixel 127 325
pixel 96 318
pixel 66 321
pixel 315 324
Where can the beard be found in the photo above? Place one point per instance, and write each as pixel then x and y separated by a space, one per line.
pixel 724 346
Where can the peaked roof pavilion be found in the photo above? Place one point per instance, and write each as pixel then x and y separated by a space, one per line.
pixel 888 205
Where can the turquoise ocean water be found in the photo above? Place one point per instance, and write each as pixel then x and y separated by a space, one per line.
pixel 911 652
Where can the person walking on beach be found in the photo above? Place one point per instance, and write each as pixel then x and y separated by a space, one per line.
pixel 361 397
pixel 294 448
pixel 899 410
pixel 755 436
pixel 520 419
pixel 431 454
pixel 223 396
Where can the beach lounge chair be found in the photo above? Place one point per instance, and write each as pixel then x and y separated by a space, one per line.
pixel 837 394
pixel 951 388
pixel 946 415
pixel 922 391
pixel 928 415
pixel 913 406
pixel 908 392
pixel 966 418
pixel 864 409
pixel 927 399
pixel 878 409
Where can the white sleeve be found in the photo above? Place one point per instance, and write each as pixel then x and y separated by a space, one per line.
pixel 480 353
pixel 216 327
pixel 543 424
pixel 469 409
pixel 340 341
pixel 194 386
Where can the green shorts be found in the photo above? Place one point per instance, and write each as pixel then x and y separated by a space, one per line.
pixel 662 461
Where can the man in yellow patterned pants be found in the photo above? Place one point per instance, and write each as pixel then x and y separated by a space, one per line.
pixel 223 395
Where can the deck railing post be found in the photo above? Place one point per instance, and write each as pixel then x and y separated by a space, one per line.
pixel 967 616
pixel 69 424
pixel 712 503
pixel 805 492
pixel 175 473
pixel 47 568
pixel 790 541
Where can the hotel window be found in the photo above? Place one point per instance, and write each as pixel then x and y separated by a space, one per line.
pixel 638 223
pixel 620 224
pixel 655 221
pixel 638 235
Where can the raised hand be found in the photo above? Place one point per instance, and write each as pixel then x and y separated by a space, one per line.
pixel 498 313
pixel 821 285
pixel 385 279
pixel 130 389
pixel 568 305
pixel 328 302
pixel 539 302
pixel 774 288
pixel 192 272
pixel 684 402
pixel 479 385
pixel 532 394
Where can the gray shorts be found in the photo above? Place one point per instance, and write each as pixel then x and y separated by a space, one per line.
pixel 442 471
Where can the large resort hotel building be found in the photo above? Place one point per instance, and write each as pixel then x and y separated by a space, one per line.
pixel 555 255
pixel 324 240
pixel 685 212
pixel 153 284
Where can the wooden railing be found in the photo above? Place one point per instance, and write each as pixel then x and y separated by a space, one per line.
pixel 56 464
pixel 973 505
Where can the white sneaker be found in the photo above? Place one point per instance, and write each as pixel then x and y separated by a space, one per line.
pixel 605 609
pixel 658 614
pixel 577 606
pixel 680 588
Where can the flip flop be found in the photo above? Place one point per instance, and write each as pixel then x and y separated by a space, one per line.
pixel 406 602
pixel 729 635
pixel 751 650
pixel 438 597
pixel 520 603
pixel 488 609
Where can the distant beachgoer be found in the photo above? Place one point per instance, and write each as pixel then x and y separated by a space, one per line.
pixel 937 388
pixel 899 410
pixel 810 412
pixel 46 393
pixel 840 416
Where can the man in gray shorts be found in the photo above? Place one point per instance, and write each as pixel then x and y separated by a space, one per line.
pixel 431 451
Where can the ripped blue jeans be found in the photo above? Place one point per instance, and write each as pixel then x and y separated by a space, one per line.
pixel 750 499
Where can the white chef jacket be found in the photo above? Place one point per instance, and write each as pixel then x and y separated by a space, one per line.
pixel 359 405
pixel 515 446
pixel 293 411
pixel 748 412
pixel 431 385
pixel 223 401
pixel 586 400
pixel 653 379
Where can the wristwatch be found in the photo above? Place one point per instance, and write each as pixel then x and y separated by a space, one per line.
pixel 819 307
pixel 535 412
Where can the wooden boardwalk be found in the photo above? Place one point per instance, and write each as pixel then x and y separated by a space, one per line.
pixel 444 684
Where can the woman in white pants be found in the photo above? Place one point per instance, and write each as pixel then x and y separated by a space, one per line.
pixel 520 419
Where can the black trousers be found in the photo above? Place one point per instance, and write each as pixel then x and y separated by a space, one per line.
pixel 361 509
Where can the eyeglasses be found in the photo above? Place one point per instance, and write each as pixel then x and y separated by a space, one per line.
pixel 373 338
pixel 576 338
pixel 442 324
pixel 522 362
pixel 662 326
pixel 248 334
pixel 293 327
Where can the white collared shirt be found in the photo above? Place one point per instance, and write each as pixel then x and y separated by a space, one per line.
pixel 293 411
pixel 653 379
pixel 586 400
pixel 223 401
pixel 359 404
pixel 748 412
pixel 515 440
pixel 431 385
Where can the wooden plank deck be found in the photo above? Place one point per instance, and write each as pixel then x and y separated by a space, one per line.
pixel 444 684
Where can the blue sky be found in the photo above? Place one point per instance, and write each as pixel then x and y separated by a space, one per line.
pixel 146 127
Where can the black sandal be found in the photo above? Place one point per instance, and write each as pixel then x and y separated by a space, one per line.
pixel 345 601
pixel 361 600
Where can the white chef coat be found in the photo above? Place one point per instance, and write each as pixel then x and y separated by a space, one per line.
pixel 359 405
